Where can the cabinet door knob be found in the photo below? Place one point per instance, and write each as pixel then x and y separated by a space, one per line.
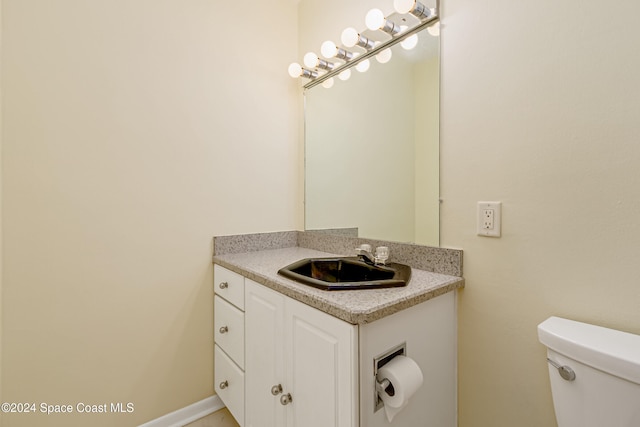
pixel 224 384
pixel 285 399
pixel 276 389
pixel 223 285
pixel 224 330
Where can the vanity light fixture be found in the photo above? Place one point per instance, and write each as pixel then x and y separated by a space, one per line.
pixel 312 60
pixel 351 37
pixel 413 7
pixel 296 70
pixel 330 50
pixel 375 20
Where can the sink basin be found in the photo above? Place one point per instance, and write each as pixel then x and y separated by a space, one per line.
pixel 342 273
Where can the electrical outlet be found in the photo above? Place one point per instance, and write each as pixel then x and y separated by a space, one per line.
pixel 489 219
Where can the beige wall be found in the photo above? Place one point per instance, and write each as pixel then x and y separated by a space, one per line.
pixel 539 110
pixel 134 132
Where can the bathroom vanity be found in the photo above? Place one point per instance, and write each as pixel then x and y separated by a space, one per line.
pixel 287 354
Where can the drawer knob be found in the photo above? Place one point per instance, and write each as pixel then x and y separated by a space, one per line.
pixel 224 384
pixel 224 330
pixel 223 285
pixel 276 389
pixel 285 399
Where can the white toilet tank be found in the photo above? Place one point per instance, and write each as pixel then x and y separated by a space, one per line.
pixel 605 391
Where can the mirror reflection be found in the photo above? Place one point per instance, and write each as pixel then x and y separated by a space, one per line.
pixel 372 149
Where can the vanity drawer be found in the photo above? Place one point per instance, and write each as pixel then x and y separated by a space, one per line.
pixel 228 331
pixel 229 285
pixel 229 384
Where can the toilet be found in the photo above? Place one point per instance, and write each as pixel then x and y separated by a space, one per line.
pixel 594 372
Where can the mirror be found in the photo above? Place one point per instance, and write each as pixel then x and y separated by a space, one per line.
pixel 372 149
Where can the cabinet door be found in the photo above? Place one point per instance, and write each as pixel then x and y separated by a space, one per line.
pixel 264 358
pixel 321 368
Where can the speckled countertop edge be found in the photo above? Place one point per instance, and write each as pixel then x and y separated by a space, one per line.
pixel 355 307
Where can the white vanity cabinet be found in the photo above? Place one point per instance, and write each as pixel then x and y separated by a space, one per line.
pixel 301 364
pixel 282 363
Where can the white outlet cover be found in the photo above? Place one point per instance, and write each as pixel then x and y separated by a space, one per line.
pixel 496 207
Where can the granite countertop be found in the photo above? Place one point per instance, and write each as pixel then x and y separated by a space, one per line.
pixel 353 306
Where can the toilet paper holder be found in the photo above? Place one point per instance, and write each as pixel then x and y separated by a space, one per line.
pixel 385 385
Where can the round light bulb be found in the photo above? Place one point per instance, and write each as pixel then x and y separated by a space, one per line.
pixel 384 56
pixel 295 70
pixel 310 59
pixel 410 42
pixel 403 6
pixel 374 19
pixel 328 83
pixel 363 66
pixel 434 29
pixel 328 49
pixel 345 75
pixel 350 37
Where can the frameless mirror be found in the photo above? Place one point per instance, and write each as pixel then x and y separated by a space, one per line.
pixel 372 149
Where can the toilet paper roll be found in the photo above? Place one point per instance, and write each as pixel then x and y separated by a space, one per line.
pixel 405 377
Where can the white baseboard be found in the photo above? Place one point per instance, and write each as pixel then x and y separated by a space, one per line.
pixel 187 414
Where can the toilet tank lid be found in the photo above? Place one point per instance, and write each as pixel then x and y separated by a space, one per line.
pixel 608 350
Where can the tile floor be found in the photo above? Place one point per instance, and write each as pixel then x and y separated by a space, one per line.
pixel 221 418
